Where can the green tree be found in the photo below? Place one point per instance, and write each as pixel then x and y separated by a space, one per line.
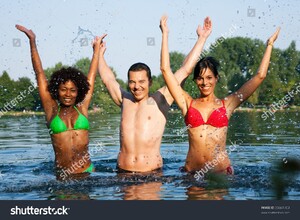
pixel 83 65
pixel 157 83
pixel 51 70
pixel 25 94
pixel 176 60
pixel 239 60
pixel 272 82
pixel 7 91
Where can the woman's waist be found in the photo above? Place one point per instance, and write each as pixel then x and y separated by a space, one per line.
pixel 211 159
pixel 215 165
pixel 71 135
pixel 66 156
pixel 76 165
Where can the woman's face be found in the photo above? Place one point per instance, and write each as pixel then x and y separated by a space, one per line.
pixel 67 93
pixel 206 82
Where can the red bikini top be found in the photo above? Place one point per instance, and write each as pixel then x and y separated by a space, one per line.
pixel 218 117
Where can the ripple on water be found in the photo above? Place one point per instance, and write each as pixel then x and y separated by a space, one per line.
pixel 27 171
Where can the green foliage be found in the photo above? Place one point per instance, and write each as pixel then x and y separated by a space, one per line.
pixel 49 71
pixel 157 83
pixel 25 91
pixel 83 65
pixel 6 89
pixel 101 98
pixel 16 95
pixel 239 60
pixel 176 60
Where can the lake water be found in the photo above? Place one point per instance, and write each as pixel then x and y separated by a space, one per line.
pixel 266 162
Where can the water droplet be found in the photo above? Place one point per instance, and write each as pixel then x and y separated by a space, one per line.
pixel 118 189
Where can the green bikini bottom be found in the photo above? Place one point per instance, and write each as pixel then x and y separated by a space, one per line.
pixel 90 169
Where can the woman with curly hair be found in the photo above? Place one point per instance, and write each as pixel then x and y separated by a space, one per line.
pixel 65 101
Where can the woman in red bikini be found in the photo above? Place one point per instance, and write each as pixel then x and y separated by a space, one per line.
pixel 207 116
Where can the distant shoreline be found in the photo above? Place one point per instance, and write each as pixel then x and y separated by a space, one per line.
pixel 22 113
pixel 240 109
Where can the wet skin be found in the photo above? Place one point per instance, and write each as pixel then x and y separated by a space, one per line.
pixel 142 127
pixel 207 143
pixel 71 146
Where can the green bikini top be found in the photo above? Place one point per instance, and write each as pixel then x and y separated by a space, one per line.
pixel 57 125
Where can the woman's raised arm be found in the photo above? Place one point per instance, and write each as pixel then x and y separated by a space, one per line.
pixel 235 99
pixel 173 85
pixel 49 104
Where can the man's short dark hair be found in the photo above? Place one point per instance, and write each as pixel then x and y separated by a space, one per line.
pixel 138 67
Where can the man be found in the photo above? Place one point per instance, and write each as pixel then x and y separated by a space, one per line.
pixel 144 116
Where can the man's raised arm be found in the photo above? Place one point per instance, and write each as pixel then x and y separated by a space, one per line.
pixel 109 78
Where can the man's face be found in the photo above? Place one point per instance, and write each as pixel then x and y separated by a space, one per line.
pixel 139 84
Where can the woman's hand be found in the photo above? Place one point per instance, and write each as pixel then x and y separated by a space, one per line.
pixel 206 30
pixel 273 38
pixel 163 24
pixel 29 33
pixel 97 42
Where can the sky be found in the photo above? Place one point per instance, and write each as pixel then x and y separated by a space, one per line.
pixel 65 29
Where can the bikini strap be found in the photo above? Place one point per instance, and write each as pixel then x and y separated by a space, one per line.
pixel 77 110
pixel 223 102
pixel 58 110
pixel 191 103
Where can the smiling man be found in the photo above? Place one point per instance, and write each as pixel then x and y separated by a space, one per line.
pixel 144 116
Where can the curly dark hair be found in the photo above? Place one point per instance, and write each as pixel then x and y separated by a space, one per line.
pixel 69 74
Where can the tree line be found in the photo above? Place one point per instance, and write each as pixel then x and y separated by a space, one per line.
pixel 239 59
